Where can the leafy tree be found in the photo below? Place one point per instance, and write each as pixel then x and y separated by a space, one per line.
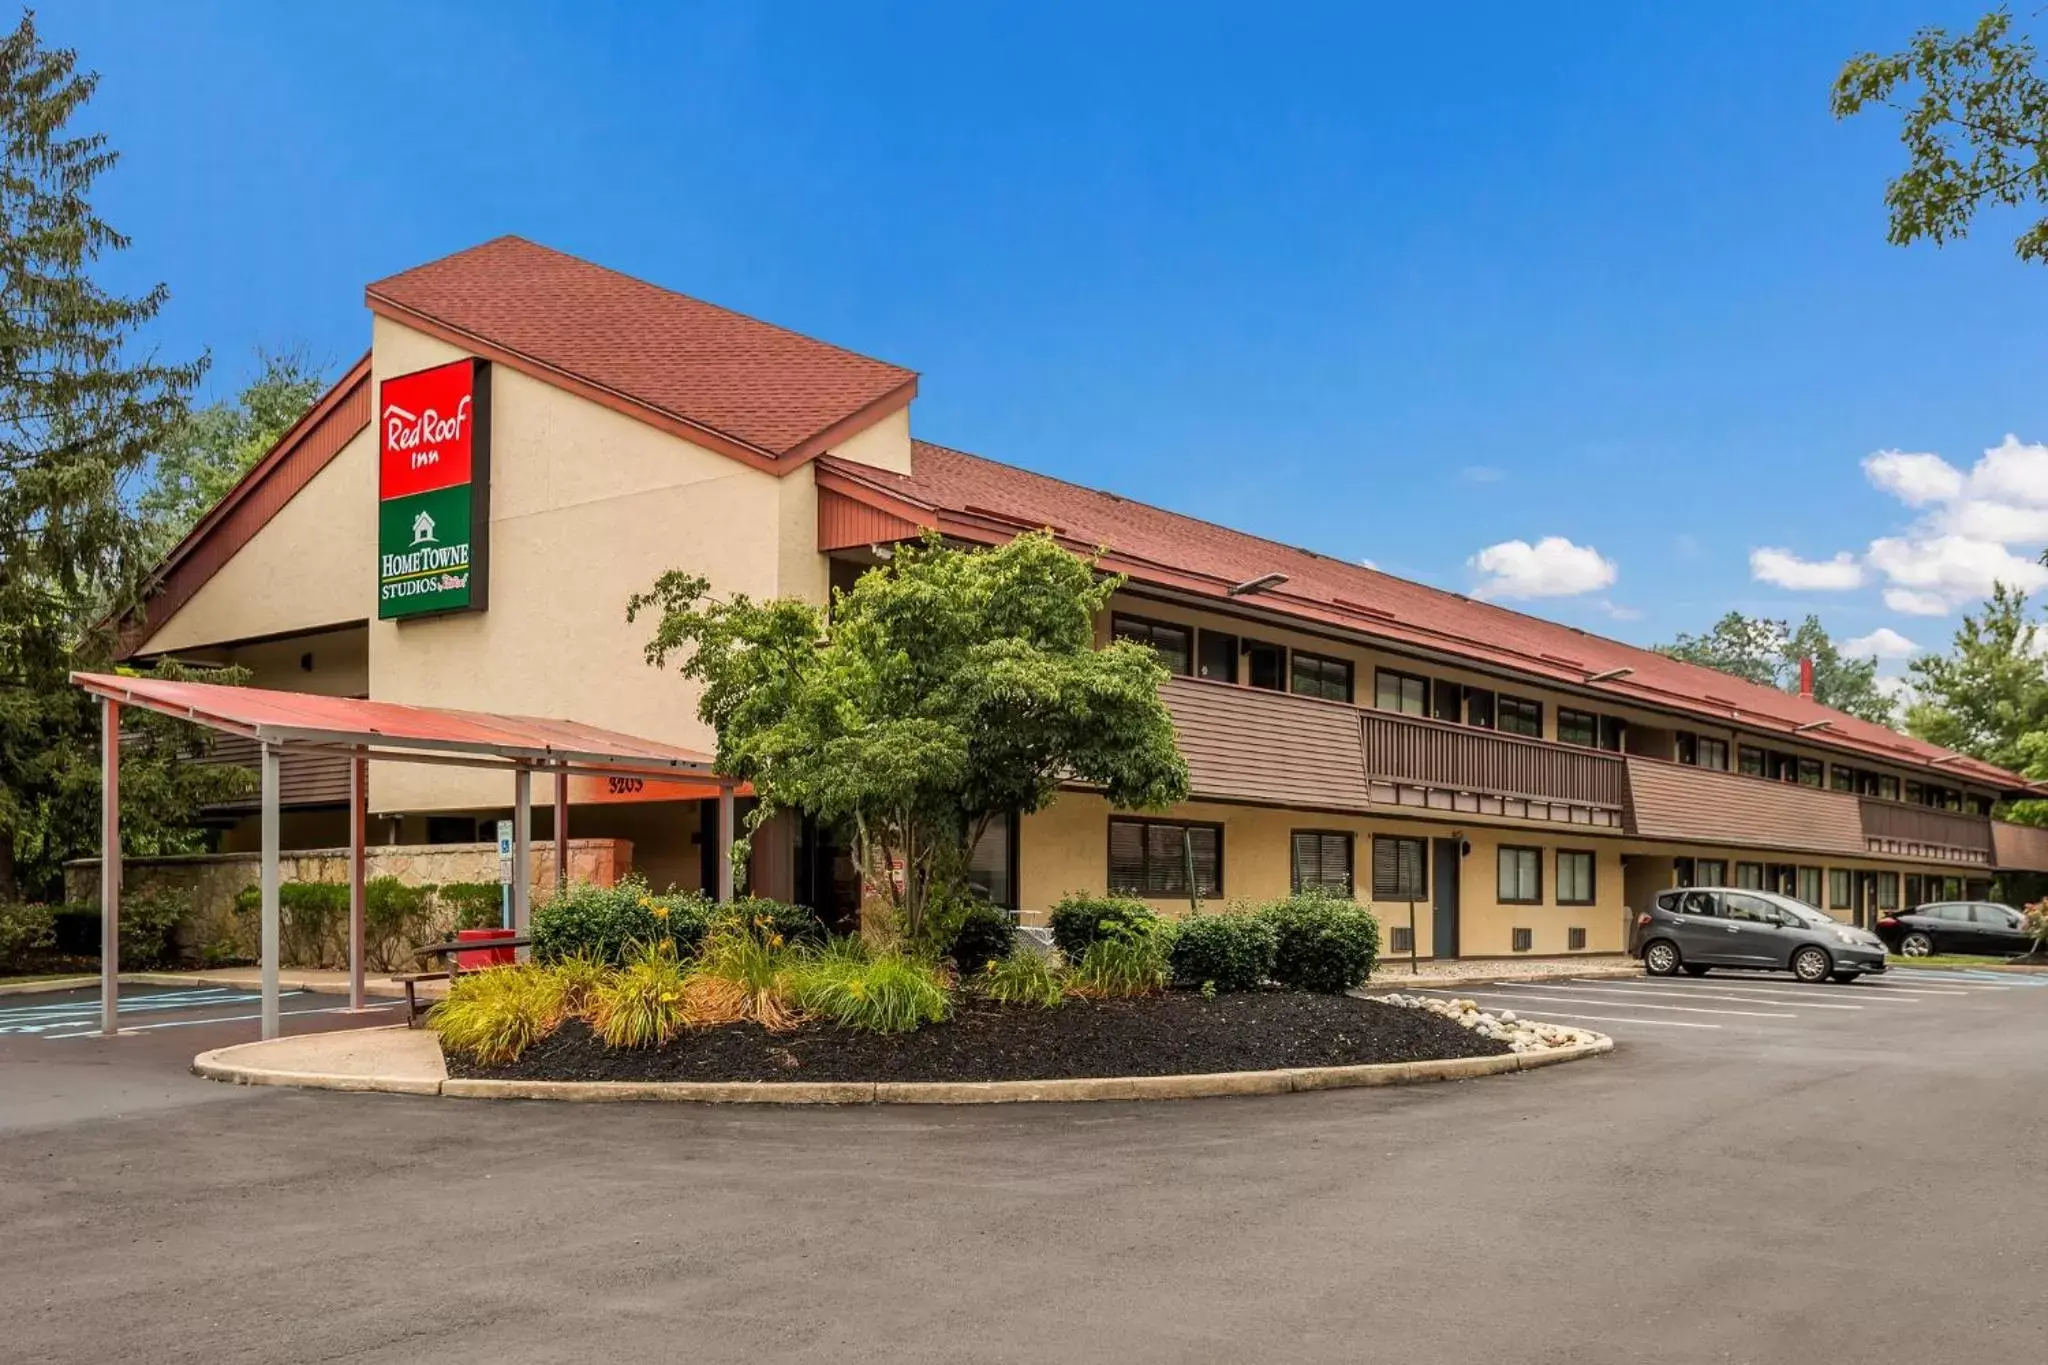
pixel 945 689
pixel 212 447
pixel 79 417
pixel 1974 120
pixel 1769 652
pixel 1988 698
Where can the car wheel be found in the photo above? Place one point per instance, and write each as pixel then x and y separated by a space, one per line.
pixel 1812 965
pixel 1917 944
pixel 1660 958
pixel 1694 969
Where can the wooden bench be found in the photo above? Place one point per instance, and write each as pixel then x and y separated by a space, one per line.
pixel 446 951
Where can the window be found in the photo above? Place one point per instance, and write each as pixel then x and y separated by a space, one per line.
pixel 1711 872
pixel 1998 916
pixel 1150 858
pixel 1318 676
pixel 1979 805
pixel 1887 890
pixel 1524 940
pixel 1841 779
pixel 1322 861
pixel 1754 909
pixel 1613 730
pixel 1700 903
pixel 1218 657
pixel 1683 871
pixel 1916 889
pixel 1574 940
pixel 1809 885
pixel 1838 888
pixel 1171 643
pixel 1750 761
pixel 1265 666
pixel 1400 868
pixel 1888 788
pixel 992 867
pixel 1713 753
pixel 1479 707
pixel 1403 692
pixel 1447 701
pixel 1916 793
pixel 1809 772
pixel 1578 727
pixel 1749 876
pixel 1521 876
pixel 1574 877
pixel 1519 716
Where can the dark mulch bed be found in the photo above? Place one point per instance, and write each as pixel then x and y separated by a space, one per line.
pixel 1175 1033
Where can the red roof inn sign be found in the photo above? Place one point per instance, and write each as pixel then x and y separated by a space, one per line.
pixel 433 490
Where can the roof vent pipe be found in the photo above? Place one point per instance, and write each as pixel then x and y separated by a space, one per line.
pixel 1806 677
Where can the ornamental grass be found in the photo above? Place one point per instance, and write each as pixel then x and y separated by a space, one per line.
pixel 496 1015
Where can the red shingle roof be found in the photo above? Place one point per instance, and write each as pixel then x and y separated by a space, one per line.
pixel 773 391
pixel 980 499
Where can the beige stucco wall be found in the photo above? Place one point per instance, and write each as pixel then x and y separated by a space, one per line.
pixel 884 443
pixel 1066 848
pixel 313 565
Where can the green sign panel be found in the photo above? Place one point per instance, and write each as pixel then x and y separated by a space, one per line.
pixel 424 553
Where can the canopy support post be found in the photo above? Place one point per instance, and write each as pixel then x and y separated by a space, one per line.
pixel 110 866
pixel 725 833
pixel 269 891
pixel 358 822
pixel 522 849
pixel 561 827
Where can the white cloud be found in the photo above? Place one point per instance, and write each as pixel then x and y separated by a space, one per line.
pixel 1935 574
pixel 1915 480
pixel 1882 643
pixel 2012 471
pixel 1552 567
pixel 2004 523
pixel 1788 570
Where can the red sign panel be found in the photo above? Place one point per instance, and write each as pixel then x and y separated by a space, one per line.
pixel 426 430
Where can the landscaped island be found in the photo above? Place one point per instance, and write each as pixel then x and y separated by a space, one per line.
pixel 630 986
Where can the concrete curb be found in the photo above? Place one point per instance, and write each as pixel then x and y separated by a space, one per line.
pixel 1198 1086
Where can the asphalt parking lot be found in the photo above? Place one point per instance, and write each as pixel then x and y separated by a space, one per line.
pixel 1781 1183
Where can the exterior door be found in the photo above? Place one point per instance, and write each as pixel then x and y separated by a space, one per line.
pixel 1866 900
pixel 1443 934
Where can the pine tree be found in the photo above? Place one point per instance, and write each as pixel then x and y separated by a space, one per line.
pixel 80 415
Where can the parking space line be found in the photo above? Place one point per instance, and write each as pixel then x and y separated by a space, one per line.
pixel 1630 1004
pixel 231 1019
pixel 1629 989
pixel 1683 984
pixel 1595 1018
pixel 128 1002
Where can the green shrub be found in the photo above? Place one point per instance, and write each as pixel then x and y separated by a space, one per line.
pixel 1129 958
pixel 1232 952
pixel 769 921
pixel 1078 921
pixel 1323 943
pixel 312 920
pixel 642 1003
pixel 472 905
pixel 497 1014
pixel 607 923
pixel 888 992
pixel 26 932
pixel 397 918
pixel 985 935
pixel 149 926
pixel 1023 978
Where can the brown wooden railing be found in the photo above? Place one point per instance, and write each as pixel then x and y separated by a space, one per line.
pixel 1455 757
pixel 1926 827
pixel 302 779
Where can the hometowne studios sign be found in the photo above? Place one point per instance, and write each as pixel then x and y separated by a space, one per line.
pixel 433 490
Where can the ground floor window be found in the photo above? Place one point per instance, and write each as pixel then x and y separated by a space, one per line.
pixel 1838 888
pixel 1400 868
pixel 1151 858
pixel 1710 872
pixel 1887 890
pixel 1809 885
pixel 1521 876
pixel 992 867
pixel 1322 860
pixel 1574 877
pixel 1749 876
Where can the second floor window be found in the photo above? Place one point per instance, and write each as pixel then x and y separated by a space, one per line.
pixel 1703 751
pixel 1577 727
pixel 1171 643
pixel 1316 675
pixel 1519 716
pixel 1403 692
pixel 1809 775
pixel 1751 761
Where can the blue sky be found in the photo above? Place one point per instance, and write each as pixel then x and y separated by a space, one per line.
pixel 1342 275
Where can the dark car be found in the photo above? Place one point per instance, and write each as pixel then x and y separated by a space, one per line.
pixel 1699 928
pixel 1957 927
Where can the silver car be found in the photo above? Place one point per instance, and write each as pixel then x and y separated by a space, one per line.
pixel 1696 929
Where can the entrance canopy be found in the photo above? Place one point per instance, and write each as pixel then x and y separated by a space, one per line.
pixel 392 732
